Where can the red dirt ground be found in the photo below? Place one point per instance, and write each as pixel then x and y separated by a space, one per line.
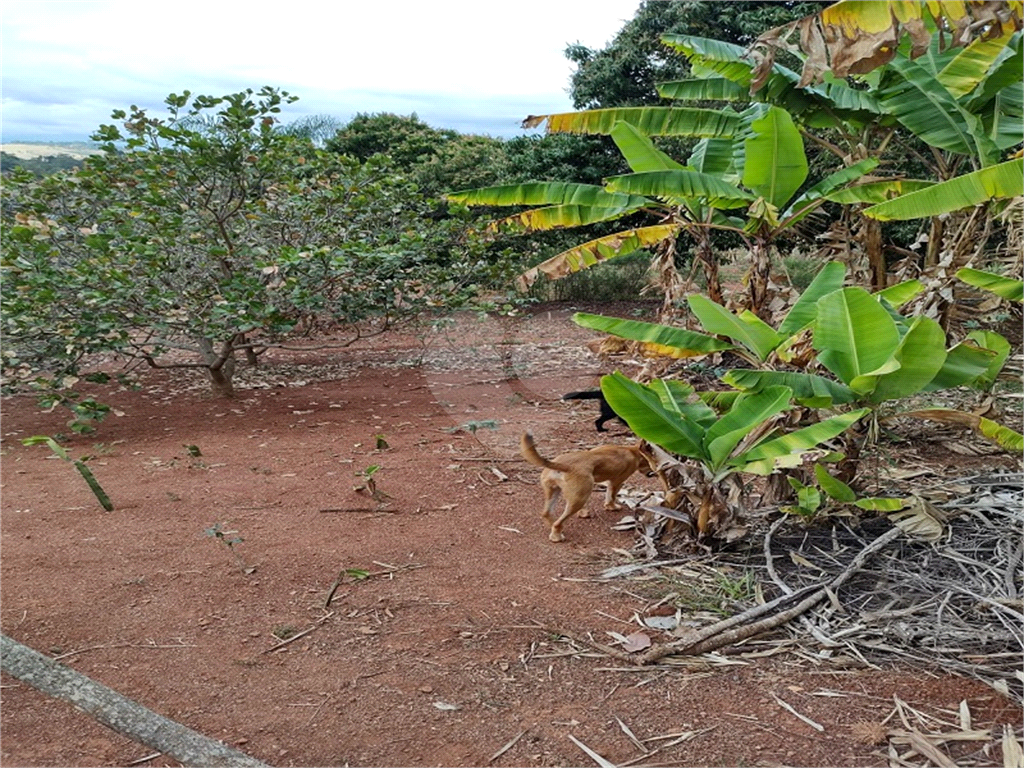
pixel 434 664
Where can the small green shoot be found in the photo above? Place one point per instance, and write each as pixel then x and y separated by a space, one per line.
pixel 369 484
pixel 473 426
pixel 79 464
pixel 382 444
pixel 193 450
pixel 229 539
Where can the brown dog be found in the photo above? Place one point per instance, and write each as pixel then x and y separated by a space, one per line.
pixel 573 475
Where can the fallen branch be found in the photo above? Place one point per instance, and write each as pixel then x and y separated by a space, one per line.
pixel 115 711
pixel 713 637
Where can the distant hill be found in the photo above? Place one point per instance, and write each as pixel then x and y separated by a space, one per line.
pixel 79 150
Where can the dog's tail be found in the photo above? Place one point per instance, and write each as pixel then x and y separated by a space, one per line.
pixel 529 451
pixel 586 394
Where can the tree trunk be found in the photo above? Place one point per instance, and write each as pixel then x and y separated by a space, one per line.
pixel 706 255
pixel 115 711
pixel 872 234
pixel 935 234
pixel 760 276
pixel 670 281
pixel 220 368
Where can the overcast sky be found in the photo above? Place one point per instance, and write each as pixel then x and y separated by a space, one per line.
pixel 478 66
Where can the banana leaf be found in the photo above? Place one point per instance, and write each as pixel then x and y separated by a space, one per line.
pixel 818 193
pixel 691 343
pixel 1004 437
pixel 747 413
pixel 680 186
pixel 1004 287
pixel 703 89
pixel 877 191
pixel 747 328
pixel 996 182
pixel 650 420
pixel 762 459
pixel 829 278
pixel 714 157
pixel 964 363
pixel 855 337
pixel 639 150
pixel 773 162
pixel 921 354
pixel 808 389
pixel 998 344
pixel 678 397
pixel 833 487
pixel 652 121
pixel 970 67
pixel 545 193
pixel 899 294
pixel 558 217
pixel 595 252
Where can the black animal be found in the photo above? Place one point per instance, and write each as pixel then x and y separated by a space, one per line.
pixel 607 413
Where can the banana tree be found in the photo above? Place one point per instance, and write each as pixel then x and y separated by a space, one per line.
pixel 747 439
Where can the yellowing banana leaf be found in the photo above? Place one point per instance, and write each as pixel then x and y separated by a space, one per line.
pixel 880 503
pixel 997 182
pixel 921 354
pixel 971 66
pixel 558 217
pixel 854 335
pixel 1004 287
pixel 920 519
pixel 808 389
pixel 652 121
pixel 681 186
pixel 544 193
pixel 678 341
pixel 1002 436
pixel 747 328
pixel 595 252
pixel 639 150
pixel 761 459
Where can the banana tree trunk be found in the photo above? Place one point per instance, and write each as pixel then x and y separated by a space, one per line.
pixel 760 276
pixel 935 234
pixel 872 234
pixel 706 256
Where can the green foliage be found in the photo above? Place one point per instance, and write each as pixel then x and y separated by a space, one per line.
pixel 38 166
pixel 213 233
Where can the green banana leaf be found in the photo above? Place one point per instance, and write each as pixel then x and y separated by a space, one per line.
pixel 1004 287
pixel 652 121
pixel 558 217
pixel 762 459
pixel 650 420
pixel 679 397
pixel 545 193
pixel 829 278
pixel 773 162
pixel 819 192
pixel 714 157
pixel 921 354
pixel 703 89
pixel 639 150
pixel 746 328
pixel 970 67
pixel 664 336
pixel 964 363
pixel 923 106
pixel 808 389
pixel 748 412
pixel 833 487
pixel 899 294
pixel 680 186
pixel 595 252
pixel 877 191
pixel 855 337
pixel 998 344
pixel 996 182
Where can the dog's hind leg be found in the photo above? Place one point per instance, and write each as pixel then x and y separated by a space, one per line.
pixel 576 499
pixel 551 495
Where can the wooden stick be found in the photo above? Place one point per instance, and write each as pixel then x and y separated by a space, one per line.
pixel 115 711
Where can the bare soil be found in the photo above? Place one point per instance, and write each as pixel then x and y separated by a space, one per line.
pixel 435 657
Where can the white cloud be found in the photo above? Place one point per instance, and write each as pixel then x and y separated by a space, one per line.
pixel 66 65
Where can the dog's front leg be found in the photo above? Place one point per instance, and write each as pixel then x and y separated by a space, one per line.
pixel 611 495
